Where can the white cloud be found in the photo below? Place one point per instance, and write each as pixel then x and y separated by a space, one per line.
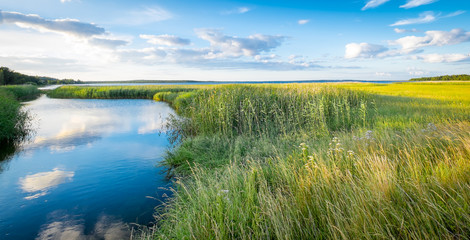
pixel 223 46
pixel 439 58
pixel 410 44
pixel 65 26
pixel 303 21
pixel 417 3
pixel 363 50
pixel 456 13
pixel 167 40
pixel 64 1
pixel 80 32
pixel 425 17
pixel 413 44
pixel 374 4
pixel 239 10
pixel 243 10
pixel 399 30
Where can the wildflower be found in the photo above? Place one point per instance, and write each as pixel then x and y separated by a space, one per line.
pixel 431 127
pixel 368 135
pixel 350 153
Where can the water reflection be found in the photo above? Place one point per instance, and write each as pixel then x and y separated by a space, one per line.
pixel 68 228
pixel 6 152
pixel 40 183
pixel 77 125
pixel 84 156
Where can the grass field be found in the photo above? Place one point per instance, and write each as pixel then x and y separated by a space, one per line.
pixel 318 161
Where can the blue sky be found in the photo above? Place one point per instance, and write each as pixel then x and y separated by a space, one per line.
pixel 235 40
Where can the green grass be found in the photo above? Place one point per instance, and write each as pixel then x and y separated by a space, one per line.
pixel 319 161
pixel 115 92
pixel 14 122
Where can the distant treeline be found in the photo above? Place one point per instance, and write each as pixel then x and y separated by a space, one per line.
pixel 10 77
pixel 461 77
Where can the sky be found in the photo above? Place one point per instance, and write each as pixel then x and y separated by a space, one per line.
pixel 224 40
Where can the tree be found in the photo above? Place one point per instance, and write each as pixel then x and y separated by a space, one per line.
pixel 2 81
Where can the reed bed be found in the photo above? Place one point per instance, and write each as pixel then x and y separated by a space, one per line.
pixel 14 122
pixel 374 185
pixel 115 92
pixel 319 162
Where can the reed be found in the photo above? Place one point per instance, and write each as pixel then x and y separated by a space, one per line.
pixel 320 162
pixel 14 122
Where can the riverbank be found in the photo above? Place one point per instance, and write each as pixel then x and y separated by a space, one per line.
pixel 300 161
pixel 13 120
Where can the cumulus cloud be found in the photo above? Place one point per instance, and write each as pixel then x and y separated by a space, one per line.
pixel 363 50
pixel 425 17
pixel 410 44
pixel 417 3
pixel 223 45
pixel 413 44
pixel 303 21
pixel 64 26
pixel 374 4
pixel 439 58
pixel 80 31
pixel 167 40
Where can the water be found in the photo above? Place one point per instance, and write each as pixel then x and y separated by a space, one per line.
pixel 89 171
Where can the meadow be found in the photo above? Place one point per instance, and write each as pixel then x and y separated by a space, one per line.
pixel 313 161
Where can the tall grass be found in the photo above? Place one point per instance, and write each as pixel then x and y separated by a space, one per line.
pixel 266 112
pixel 114 92
pixel 389 185
pixel 241 173
pixel 14 122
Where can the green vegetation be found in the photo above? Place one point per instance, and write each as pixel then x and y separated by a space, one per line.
pixel 14 123
pixel 461 77
pixel 10 77
pixel 114 92
pixel 326 161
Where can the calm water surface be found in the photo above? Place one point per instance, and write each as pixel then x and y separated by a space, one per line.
pixel 88 172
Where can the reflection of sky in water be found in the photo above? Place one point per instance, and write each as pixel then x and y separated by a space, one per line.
pixel 38 184
pixel 67 228
pixel 88 172
pixel 77 125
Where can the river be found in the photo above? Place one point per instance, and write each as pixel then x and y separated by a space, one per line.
pixel 88 172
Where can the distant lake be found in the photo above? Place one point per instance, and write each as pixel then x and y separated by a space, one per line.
pixel 88 172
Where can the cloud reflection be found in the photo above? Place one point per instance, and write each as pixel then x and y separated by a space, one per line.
pixel 106 228
pixel 40 183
